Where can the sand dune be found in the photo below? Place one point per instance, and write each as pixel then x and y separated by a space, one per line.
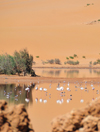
pixel 50 28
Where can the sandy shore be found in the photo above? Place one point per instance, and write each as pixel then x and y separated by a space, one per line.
pixel 68 67
pixel 5 79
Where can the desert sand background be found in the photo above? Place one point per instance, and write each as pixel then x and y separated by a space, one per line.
pixel 51 28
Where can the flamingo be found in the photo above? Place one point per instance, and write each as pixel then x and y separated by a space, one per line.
pixel 58 85
pixel 16 96
pixel 7 96
pixel 49 95
pixel 41 89
pixel 91 85
pixel 68 100
pixel 45 101
pixel 27 100
pixel 45 89
pixel 41 100
pixel 15 88
pixel 68 89
pixel 50 85
pixel 71 97
pixel 27 89
pixel 81 88
pixel 4 92
pixel 97 91
pixel 36 99
pixel 68 84
pixel 59 101
pixel 36 88
pixel 81 93
pixel 81 100
pixel 93 92
pixel 63 83
pixel 93 88
pixel 61 88
pixel 41 93
pixel 20 92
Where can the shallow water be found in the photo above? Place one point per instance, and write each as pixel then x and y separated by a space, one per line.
pixel 53 102
pixel 68 73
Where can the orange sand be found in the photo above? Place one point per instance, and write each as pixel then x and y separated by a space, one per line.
pixel 51 28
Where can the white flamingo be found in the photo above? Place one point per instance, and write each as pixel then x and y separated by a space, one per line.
pixel 36 99
pixel 81 100
pixel 27 100
pixel 81 88
pixel 45 89
pixel 68 89
pixel 68 100
pixel 36 88
pixel 45 101
pixel 41 89
pixel 41 100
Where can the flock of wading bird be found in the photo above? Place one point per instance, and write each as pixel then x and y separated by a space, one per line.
pixel 61 91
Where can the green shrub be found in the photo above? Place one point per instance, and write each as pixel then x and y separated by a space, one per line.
pixel 65 62
pixel 75 55
pixel 67 58
pixel 98 61
pixel 7 64
pixel 98 19
pixel 73 62
pixel 83 57
pixel 33 73
pixel 28 59
pixel 51 61
pixel 57 61
pixel 20 62
pixel 46 62
pixel 37 56
pixel 94 63
pixel 71 57
pixel 90 62
pixel 88 4
pixel 43 62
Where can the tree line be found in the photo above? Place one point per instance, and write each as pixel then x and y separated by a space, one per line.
pixel 20 62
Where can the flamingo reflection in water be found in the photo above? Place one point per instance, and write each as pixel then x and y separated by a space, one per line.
pixel 41 100
pixel 82 100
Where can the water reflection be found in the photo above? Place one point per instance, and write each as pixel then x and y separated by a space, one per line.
pixel 44 102
pixel 51 72
pixel 97 72
pixel 68 73
pixel 65 91
pixel 71 73
pixel 42 93
pixel 16 94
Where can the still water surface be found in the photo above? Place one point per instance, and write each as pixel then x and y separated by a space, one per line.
pixel 43 106
pixel 68 73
